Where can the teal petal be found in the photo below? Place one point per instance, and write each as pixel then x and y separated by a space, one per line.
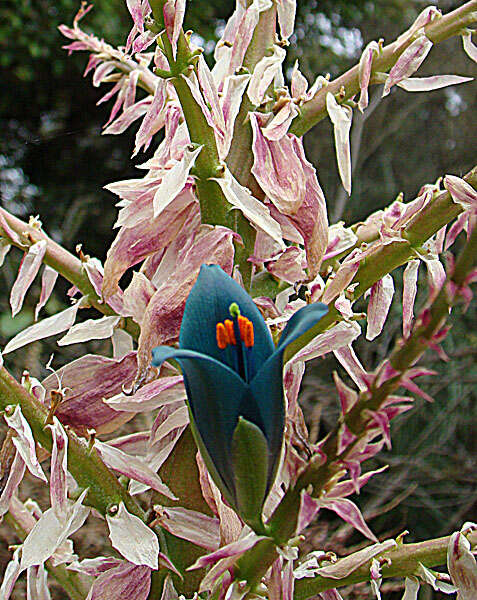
pixel 303 320
pixel 267 385
pixel 267 393
pixel 215 393
pixel 208 304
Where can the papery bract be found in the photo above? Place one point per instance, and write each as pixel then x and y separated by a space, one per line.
pixel 462 566
pixel 29 267
pixel 133 538
pixel 409 61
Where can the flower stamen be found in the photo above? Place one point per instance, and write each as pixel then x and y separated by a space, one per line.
pixel 246 331
pixel 229 326
pixel 222 336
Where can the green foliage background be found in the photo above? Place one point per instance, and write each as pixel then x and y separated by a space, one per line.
pixel 54 162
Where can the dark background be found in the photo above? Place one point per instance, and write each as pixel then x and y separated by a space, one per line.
pixel 54 163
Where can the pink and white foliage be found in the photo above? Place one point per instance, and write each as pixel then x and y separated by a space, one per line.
pixel 277 169
pixel 365 66
pixel 311 218
pixel 335 338
pixel 440 582
pixel 132 467
pixel 409 62
pixel 126 580
pixel 174 11
pixel 15 477
pixel 51 531
pixel 126 118
pixel 462 193
pixel 160 233
pixel 157 393
pixel 344 508
pixel 48 280
pixel 409 295
pixel 345 566
pixel 230 101
pixel 411 588
pixel 380 300
pixel 29 267
pixel 230 525
pixel 177 419
pixel 24 442
pixel 59 470
pixel 264 74
pixel 132 538
pixel 279 123
pixel 286 10
pixel 12 572
pixel 299 85
pixel 461 563
pixel 255 211
pixel 138 9
pixel 37 584
pixel 427 84
pixel 88 381
pixel 174 181
pixel 281 582
pixel 92 329
pixel 53 325
pixel 232 550
pixel 352 365
pixel 469 47
pixel 149 236
pixel 190 525
pixel 230 50
pixel 341 117
pixel 153 120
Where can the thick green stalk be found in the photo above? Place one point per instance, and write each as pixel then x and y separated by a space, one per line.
pixel 438 213
pixel 282 525
pixel 437 31
pixel 404 562
pixel 214 208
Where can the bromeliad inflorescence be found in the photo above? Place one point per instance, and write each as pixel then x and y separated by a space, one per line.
pixel 233 378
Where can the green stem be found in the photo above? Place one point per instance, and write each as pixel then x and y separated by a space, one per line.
pixel 84 462
pixel 437 31
pixel 404 562
pixel 282 524
pixel 438 213
pixel 213 205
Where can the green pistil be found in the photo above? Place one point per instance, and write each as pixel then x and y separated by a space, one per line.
pixel 234 310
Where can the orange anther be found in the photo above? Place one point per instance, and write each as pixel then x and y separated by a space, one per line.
pixel 222 337
pixel 248 337
pixel 242 323
pixel 229 326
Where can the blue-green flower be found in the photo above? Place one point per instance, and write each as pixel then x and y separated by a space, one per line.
pixel 233 378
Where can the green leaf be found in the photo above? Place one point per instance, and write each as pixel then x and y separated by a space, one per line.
pixel 250 466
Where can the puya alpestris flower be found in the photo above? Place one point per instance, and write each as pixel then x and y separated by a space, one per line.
pixel 233 378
